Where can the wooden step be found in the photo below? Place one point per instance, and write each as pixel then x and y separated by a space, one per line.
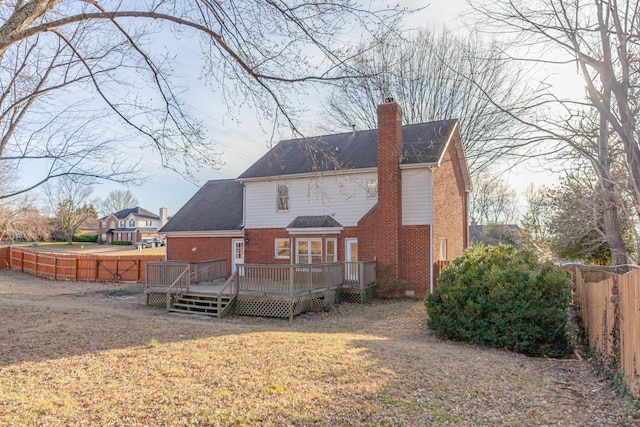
pixel 199 304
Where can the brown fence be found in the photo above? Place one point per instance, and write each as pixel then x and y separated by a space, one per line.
pixel 74 267
pixel 5 257
pixel 438 266
pixel 611 317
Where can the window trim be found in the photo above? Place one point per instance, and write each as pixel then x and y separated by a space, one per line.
pixel 443 249
pixel 282 197
pixel 335 249
pixel 372 189
pixel 309 254
pixel 275 248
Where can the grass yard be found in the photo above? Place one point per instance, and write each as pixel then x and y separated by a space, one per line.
pixel 93 354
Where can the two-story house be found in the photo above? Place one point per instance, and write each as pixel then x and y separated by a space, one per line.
pixel 131 225
pixel 397 195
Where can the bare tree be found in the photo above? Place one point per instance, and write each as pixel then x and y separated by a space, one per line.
pixel 494 202
pixel 69 199
pixel 438 75
pixel 20 219
pixel 118 200
pixel 80 80
pixel 601 38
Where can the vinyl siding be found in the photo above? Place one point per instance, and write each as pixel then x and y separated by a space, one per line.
pixel 342 196
pixel 417 206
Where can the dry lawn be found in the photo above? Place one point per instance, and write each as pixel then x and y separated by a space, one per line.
pixel 93 354
pixel 92 249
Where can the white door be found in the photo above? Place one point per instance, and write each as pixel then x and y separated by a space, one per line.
pixel 237 254
pixel 351 259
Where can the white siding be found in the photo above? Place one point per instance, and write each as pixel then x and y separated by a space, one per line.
pixel 417 206
pixel 342 196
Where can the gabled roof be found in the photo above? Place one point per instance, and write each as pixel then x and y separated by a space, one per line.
pixel 137 211
pixel 217 206
pixel 422 143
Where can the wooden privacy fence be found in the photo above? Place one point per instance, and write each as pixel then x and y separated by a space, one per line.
pixel 5 255
pixel 611 317
pixel 75 267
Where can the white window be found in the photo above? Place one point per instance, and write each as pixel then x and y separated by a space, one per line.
pixel 332 253
pixel 132 223
pixel 149 223
pixel 443 249
pixel 122 224
pixel 372 189
pixel 129 236
pixel 283 197
pixel 308 251
pixel 283 248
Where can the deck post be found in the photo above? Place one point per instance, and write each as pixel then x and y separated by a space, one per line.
pixel 291 279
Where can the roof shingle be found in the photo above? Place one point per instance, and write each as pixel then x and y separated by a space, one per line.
pixel 217 206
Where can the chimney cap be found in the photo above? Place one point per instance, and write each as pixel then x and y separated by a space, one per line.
pixel 388 100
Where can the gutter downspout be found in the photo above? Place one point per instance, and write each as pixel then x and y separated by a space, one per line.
pixel 431 234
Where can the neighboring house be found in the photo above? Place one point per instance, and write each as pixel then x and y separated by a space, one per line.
pixel 397 195
pixel 131 225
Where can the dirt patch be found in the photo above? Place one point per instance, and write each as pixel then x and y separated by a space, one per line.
pixel 94 354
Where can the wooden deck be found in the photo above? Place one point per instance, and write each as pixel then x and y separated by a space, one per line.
pixel 259 290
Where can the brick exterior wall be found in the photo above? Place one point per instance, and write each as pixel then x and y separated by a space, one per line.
pixel 261 246
pixel 181 248
pixel 416 265
pixel 450 206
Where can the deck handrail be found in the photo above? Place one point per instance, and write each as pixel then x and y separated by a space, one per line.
pixel 231 281
pixel 214 269
pixel 290 279
pixel 176 283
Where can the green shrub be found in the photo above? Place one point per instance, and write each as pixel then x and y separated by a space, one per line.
pixel 86 238
pixel 499 297
pixel 121 242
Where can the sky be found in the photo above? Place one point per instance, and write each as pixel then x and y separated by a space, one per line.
pixel 244 141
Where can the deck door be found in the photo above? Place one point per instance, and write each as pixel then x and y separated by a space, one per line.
pixel 237 254
pixel 351 259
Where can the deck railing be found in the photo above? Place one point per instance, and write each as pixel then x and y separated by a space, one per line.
pixel 208 271
pixel 180 286
pixel 289 280
pixel 359 274
pixel 164 273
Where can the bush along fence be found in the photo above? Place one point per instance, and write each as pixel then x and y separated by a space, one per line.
pixel 610 309
pixel 74 267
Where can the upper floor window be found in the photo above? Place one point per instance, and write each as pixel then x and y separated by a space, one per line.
pixel 283 197
pixel 132 223
pixel 283 248
pixel 122 224
pixel 149 223
pixel 372 189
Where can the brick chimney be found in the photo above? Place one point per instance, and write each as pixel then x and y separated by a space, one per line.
pixel 163 217
pixel 390 184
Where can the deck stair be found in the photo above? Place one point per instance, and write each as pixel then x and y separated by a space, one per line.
pixel 194 303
